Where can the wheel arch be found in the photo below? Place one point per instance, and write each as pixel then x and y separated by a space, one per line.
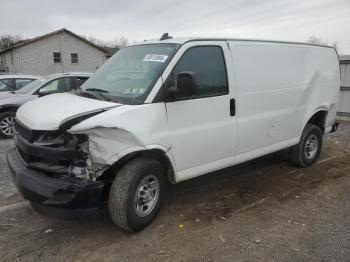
pixel 12 108
pixel 318 118
pixel 154 153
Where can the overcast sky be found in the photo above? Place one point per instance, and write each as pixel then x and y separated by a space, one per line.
pixel 294 20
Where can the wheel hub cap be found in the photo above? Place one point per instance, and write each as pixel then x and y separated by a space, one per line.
pixel 146 196
pixel 311 147
pixel 6 125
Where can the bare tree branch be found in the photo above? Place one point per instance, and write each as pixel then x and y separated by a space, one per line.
pixel 8 40
pixel 117 42
pixel 318 41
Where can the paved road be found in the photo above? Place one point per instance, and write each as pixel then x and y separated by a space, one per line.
pixel 265 210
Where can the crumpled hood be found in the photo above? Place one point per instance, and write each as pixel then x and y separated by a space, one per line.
pixel 50 112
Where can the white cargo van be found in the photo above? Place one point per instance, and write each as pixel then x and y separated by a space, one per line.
pixel 171 110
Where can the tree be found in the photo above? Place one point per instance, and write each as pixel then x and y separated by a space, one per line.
pixel 117 42
pixel 318 41
pixel 122 42
pixel 8 40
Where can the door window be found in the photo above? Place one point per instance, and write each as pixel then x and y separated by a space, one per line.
pixel 5 84
pixel 80 81
pixel 22 82
pixel 208 65
pixel 60 85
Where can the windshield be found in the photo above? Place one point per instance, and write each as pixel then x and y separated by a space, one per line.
pixel 128 76
pixel 31 87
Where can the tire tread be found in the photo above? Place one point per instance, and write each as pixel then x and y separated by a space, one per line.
pixel 2 115
pixel 121 188
pixel 296 152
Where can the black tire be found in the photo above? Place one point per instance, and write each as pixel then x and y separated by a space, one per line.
pixel 3 116
pixel 121 202
pixel 299 155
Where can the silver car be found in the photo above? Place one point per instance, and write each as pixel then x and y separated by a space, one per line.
pixel 15 82
pixel 12 100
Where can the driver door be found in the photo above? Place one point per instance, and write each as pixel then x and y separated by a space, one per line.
pixel 202 127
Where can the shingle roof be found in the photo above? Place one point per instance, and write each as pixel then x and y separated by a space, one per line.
pixel 26 42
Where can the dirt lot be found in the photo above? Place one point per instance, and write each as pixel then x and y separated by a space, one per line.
pixel 265 210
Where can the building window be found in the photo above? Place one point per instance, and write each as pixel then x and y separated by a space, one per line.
pixel 74 58
pixel 57 57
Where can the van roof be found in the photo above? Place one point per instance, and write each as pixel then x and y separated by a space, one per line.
pixel 183 40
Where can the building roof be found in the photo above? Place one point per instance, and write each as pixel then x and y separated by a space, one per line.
pixel 110 50
pixel 29 41
pixel 344 59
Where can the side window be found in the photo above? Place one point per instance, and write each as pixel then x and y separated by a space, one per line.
pixel 80 81
pixel 74 58
pixel 57 57
pixel 208 65
pixel 22 82
pixel 60 85
pixel 5 84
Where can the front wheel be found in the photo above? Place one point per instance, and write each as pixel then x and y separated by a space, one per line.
pixel 7 120
pixel 309 148
pixel 136 193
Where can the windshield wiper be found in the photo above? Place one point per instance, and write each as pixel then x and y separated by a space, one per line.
pixel 97 90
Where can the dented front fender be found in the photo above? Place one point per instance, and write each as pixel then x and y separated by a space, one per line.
pixel 124 130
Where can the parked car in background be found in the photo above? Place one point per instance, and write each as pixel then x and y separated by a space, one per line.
pixel 45 85
pixel 15 82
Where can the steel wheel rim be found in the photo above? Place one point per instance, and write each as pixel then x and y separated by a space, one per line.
pixel 6 125
pixel 311 147
pixel 146 196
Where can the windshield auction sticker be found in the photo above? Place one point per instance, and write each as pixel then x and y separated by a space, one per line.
pixel 155 58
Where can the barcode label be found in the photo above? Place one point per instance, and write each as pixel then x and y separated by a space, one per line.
pixel 155 58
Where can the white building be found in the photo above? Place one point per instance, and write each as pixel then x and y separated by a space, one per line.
pixel 56 52
pixel 344 96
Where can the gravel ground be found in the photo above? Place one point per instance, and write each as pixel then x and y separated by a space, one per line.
pixel 264 210
pixel 8 192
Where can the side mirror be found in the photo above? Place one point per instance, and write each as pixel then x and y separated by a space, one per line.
pixel 184 85
pixel 44 91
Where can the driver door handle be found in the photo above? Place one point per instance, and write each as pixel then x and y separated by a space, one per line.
pixel 232 107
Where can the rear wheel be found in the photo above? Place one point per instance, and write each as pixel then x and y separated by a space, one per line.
pixel 7 120
pixel 309 148
pixel 136 193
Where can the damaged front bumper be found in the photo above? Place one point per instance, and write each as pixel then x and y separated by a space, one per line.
pixel 64 192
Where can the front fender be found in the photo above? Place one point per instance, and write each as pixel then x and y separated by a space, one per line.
pixel 108 145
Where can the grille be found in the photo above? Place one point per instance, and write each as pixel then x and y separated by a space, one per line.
pixel 23 131
pixel 55 158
